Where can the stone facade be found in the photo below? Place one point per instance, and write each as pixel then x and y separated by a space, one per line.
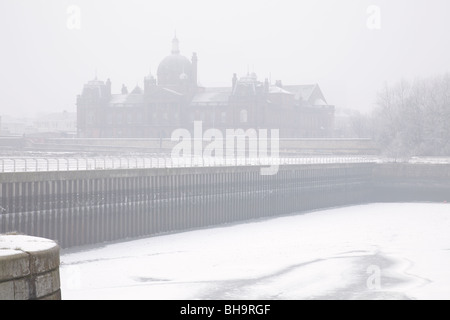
pixel 174 100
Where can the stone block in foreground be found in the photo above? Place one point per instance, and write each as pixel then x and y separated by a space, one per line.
pixel 29 268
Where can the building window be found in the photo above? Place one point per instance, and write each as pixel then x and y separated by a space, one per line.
pixel 139 118
pixel 90 118
pixel 243 117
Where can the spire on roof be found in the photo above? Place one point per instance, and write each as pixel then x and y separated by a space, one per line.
pixel 175 45
pixel 150 75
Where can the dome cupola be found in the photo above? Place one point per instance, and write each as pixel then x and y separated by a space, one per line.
pixel 174 67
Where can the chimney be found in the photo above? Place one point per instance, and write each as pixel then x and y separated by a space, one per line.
pixel 234 81
pixel 108 88
pixel 266 85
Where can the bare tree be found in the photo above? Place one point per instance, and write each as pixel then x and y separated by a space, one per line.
pixel 412 119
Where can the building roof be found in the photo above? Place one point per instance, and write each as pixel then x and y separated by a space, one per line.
pixel 136 97
pixel 211 98
pixel 302 92
pixel 320 102
pixel 217 89
pixel 124 100
pixel 275 89
pixel 172 91
pixel 220 95
pixel 137 90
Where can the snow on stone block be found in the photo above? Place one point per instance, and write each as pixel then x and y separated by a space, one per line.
pixel 29 268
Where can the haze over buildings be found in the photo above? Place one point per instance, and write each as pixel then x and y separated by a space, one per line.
pixel 45 60
pixel 174 99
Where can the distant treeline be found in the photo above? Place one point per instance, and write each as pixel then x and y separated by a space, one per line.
pixel 411 118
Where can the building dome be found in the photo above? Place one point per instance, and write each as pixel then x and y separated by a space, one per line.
pixel 174 67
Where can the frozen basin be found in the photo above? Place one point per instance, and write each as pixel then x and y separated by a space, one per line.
pixel 376 251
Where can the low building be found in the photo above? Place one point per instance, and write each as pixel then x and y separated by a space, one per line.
pixel 61 122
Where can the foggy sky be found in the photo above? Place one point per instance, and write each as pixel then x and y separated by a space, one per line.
pixel 44 64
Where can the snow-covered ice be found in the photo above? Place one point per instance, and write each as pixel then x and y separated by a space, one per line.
pixel 376 251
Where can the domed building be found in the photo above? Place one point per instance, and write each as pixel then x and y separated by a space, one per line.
pixel 173 100
pixel 175 70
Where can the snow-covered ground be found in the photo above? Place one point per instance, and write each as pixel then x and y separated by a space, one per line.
pixel 376 251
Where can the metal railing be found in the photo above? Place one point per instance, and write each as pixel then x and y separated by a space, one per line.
pixel 26 164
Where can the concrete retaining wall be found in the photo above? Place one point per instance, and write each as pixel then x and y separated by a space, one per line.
pixel 78 208
pixel 87 207
pixel 29 268
pixel 405 182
